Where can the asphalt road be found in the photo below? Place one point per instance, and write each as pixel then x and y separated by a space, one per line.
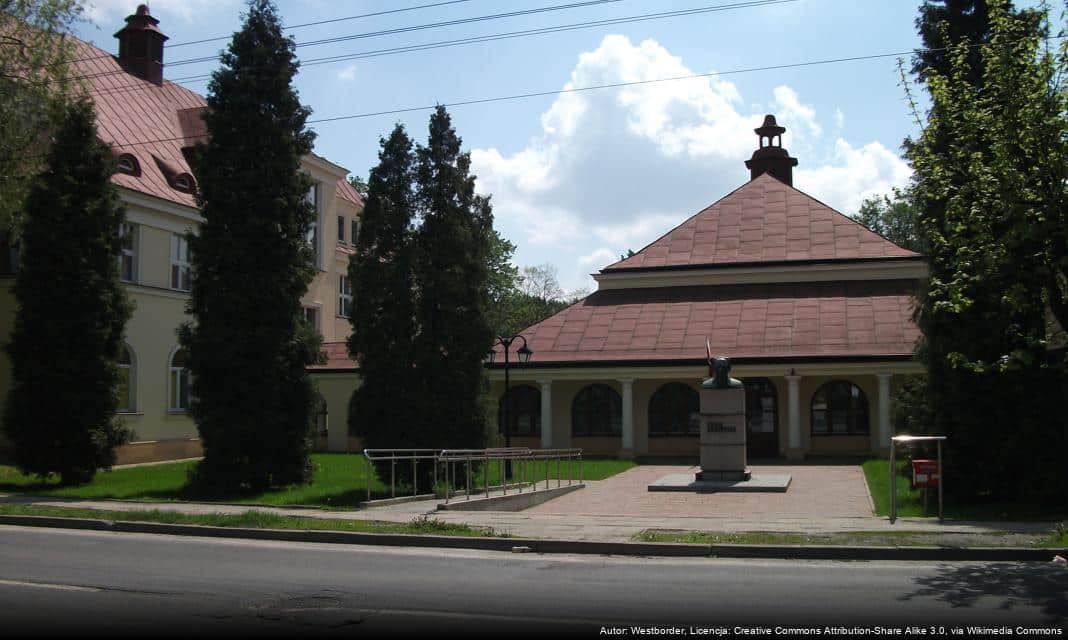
pixel 92 584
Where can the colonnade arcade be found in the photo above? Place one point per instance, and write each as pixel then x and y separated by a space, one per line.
pixel 800 411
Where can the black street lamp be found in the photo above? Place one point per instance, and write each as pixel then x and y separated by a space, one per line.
pixel 524 352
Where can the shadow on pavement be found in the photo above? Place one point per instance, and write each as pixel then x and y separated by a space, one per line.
pixel 1043 585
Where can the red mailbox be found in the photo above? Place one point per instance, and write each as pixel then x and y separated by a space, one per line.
pixel 925 474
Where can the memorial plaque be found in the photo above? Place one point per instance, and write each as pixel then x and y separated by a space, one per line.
pixel 723 435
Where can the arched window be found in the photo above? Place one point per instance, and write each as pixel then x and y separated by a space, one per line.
pixel 524 411
pixel 597 411
pixel 127 381
pixel 178 382
pixel 839 408
pixel 674 410
pixel 320 415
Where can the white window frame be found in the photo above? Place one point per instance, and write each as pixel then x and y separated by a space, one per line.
pixel 341 230
pixel 131 231
pixel 131 382
pixel 177 378
pixel 181 266
pixel 316 313
pixel 314 198
pixel 344 295
pixel 355 230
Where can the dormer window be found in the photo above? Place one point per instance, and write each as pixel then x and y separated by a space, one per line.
pixel 128 164
pixel 183 182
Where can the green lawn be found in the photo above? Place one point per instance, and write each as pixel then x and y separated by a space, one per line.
pixel 339 482
pixel 257 520
pixel 910 502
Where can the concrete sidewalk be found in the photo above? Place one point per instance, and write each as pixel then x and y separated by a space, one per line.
pixel 823 499
pixel 599 528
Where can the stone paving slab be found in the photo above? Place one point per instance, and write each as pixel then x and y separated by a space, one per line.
pixel 685 482
pixel 816 492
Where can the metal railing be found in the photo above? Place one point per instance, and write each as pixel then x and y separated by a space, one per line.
pixel 412 456
pixel 460 467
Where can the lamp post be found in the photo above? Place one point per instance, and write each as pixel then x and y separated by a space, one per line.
pixel 524 352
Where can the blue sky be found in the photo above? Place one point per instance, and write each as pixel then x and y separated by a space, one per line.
pixel 579 178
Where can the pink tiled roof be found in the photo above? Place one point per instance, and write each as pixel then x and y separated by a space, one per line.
pixel 337 358
pixel 764 220
pixel 751 321
pixel 152 123
pixel 346 191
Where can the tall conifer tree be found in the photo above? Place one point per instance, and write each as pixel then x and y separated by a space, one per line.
pixel 71 312
pixel 248 344
pixel 383 315
pixel 451 271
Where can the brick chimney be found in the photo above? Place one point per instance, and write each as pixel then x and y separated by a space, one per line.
pixel 771 157
pixel 141 46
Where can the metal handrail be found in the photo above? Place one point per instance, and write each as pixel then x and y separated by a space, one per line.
pixel 414 455
pixel 523 461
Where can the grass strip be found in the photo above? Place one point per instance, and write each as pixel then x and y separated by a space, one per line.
pixel 253 519
pixel 910 501
pixel 1055 539
pixel 339 482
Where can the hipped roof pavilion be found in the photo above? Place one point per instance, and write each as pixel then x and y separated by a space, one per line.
pixel 766 274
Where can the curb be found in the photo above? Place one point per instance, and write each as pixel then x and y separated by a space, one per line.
pixel 651 549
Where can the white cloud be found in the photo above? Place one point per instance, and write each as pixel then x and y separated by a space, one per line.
pixel 348 74
pixel 839 118
pixel 615 169
pixel 788 108
pixel 599 258
pixel 853 175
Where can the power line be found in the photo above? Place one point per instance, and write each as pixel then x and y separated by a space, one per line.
pixel 613 85
pixel 489 38
pixel 422 27
pixel 329 21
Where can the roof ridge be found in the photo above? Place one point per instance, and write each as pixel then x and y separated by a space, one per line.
pixel 781 237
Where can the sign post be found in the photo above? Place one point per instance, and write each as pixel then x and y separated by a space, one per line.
pixel 907 440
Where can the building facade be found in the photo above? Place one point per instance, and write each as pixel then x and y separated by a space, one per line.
pixel 814 310
pixel 152 126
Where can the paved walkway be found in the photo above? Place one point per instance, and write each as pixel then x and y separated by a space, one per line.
pixel 821 499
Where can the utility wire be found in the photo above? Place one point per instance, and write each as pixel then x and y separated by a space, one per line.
pixel 613 85
pixel 422 27
pixel 329 21
pixel 479 39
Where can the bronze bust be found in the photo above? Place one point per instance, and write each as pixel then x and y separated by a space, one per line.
pixel 720 370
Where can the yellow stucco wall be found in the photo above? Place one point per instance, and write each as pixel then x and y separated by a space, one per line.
pixel 151 332
pixel 336 389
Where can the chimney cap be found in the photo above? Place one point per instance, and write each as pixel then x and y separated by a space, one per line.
pixel 770 127
pixel 141 20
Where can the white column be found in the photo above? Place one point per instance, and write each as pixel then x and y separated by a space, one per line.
pixel 793 416
pixel 628 413
pixel 546 413
pixel 884 409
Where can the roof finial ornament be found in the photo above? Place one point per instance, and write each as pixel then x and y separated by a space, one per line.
pixel 770 157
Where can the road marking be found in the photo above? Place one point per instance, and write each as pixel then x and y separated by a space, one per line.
pixel 46 585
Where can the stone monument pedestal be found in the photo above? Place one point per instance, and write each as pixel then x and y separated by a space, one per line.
pixel 723 432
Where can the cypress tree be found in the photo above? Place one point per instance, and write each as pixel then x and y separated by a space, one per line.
pixel 71 311
pixel 383 314
pixel 248 344
pixel 451 271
